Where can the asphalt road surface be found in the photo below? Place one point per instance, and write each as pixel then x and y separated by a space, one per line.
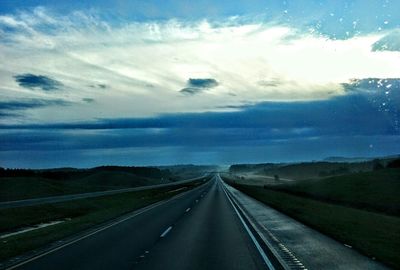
pixel 197 230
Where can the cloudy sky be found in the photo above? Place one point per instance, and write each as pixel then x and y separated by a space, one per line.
pixel 86 83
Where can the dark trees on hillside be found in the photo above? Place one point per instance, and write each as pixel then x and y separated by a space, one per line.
pixel 377 165
pixel 394 163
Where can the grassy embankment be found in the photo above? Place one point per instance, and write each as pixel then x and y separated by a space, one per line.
pixel 361 210
pixel 78 215
pixel 26 187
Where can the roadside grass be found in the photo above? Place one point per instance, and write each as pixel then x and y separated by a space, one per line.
pixel 377 191
pixel 79 215
pixel 18 188
pixel 27 187
pixel 376 235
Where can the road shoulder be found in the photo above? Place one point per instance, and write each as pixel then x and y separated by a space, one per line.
pixel 299 246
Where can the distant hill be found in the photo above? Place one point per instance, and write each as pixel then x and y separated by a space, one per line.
pixel 315 169
pixel 358 159
pixel 115 179
pixel 185 171
pixel 72 173
pixel 237 168
pixel 346 159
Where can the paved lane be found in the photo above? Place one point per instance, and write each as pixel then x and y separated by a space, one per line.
pixel 119 246
pixel 198 230
pixel 210 237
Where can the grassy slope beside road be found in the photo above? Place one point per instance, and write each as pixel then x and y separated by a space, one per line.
pixel 305 170
pixel 78 215
pixel 373 191
pixel 19 188
pixel 27 184
pixel 374 234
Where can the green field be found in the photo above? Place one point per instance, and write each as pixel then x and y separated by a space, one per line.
pixel 377 191
pixel 25 187
pixel 361 209
pixel 313 169
pixel 78 215
pixel 305 170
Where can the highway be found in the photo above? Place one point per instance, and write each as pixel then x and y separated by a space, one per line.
pixel 71 197
pixel 199 229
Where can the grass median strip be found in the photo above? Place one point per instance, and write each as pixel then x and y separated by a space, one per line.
pixel 376 235
pixel 78 215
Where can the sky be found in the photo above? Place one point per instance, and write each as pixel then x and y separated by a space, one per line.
pixel 88 83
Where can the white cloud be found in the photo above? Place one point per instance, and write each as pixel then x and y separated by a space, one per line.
pixel 145 64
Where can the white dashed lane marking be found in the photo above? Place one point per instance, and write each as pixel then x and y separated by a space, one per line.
pixel 166 232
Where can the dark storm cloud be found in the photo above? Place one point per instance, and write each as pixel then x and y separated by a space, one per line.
pixel 195 86
pixel 202 83
pixel 235 107
pixel 390 42
pixel 364 122
pixel 382 93
pixel 14 107
pixel 37 81
pixel 191 90
pixel 88 100
pixel 24 104
pixel 357 113
pixel 373 85
pixel 30 104
pixel 100 86
pixel 9 114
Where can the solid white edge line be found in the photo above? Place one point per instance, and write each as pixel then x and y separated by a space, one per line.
pixel 166 232
pixel 140 211
pixel 260 250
